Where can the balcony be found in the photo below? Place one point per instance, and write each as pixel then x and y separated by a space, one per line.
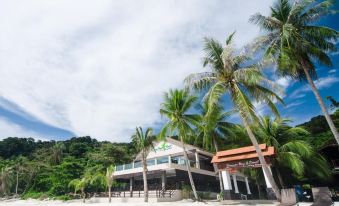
pixel 179 160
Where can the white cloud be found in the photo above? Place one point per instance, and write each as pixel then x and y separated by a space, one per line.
pixel 294 104
pixel 321 83
pixel 284 82
pixel 100 68
pixel 331 71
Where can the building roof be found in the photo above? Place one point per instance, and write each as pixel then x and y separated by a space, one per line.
pixel 242 153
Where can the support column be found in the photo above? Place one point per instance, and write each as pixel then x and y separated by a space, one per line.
pixel 236 190
pixel 131 181
pixel 163 179
pixel 269 190
pixel 247 186
pixel 226 179
pixel 197 160
pixel 169 160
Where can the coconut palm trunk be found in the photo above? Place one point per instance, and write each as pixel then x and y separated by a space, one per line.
pixel 261 157
pixel 17 184
pixel 188 167
pixel 321 103
pixel 219 173
pixel 258 187
pixel 144 175
pixel 83 195
pixel 281 181
pixel 109 194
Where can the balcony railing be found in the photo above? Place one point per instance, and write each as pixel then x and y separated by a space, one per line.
pixel 155 161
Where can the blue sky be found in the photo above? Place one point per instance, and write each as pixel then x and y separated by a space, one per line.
pixel 78 68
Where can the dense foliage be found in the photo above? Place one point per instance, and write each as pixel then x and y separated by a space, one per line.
pixel 45 168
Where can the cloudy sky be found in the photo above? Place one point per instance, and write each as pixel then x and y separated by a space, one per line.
pixel 99 68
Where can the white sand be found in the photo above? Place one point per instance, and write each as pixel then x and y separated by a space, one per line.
pixel 79 203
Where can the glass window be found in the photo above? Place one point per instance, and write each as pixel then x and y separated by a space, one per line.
pixel 150 162
pixel 120 167
pixel 137 164
pixel 180 160
pixel 128 166
pixel 162 160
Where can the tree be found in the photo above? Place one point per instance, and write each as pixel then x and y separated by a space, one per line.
pixel 80 185
pixel 90 178
pixel 334 103
pixel 57 152
pixel 143 142
pixel 213 127
pixel 6 180
pixel 295 43
pixel 233 74
pixel 109 180
pixel 291 151
pixel 175 107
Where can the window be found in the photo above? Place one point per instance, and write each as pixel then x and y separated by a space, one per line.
pixel 162 160
pixel 137 164
pixel 120 167
pixel 150 162
pixel 128 166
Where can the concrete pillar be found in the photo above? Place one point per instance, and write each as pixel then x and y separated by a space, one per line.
pixel 131 181
pixel 247 186
pixel 236 190
pixel 197 160
pixel 169 160
pixel 163 179
pixel 226 179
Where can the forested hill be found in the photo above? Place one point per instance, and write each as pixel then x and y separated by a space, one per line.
pixel 319 129
pixel 45 168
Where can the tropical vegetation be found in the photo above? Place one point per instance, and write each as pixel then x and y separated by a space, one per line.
pixel 196 115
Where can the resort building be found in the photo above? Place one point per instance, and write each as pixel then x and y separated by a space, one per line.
pixel 167 171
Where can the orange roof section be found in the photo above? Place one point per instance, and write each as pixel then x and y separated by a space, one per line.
pixel 242 153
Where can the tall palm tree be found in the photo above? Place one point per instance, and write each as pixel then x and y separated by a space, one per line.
pixel 109 180
pixel 143 143
pixel 175 107
pixel 6 180
pixel 232 73
pixel 295 43
pixel 213 127
pixel 291 151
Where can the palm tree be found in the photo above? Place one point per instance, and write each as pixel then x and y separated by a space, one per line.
pixel 213 127
pixel 109 180
pixel 143 143
pixel 19 167
pixel 175 107
pixel 295 43
pixel 57 152
pixel 291 151
pixel 80 185
pixel 255 175
pixel 91 177
pixel 233 74
pixel 6 180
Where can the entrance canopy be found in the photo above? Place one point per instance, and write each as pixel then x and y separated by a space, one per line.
pixel 244 157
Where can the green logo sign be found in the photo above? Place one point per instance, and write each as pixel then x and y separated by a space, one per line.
pixel 163 147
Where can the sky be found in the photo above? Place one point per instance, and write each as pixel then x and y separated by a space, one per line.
pixel 100 68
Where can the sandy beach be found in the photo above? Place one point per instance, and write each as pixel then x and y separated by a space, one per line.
pixel 17 202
